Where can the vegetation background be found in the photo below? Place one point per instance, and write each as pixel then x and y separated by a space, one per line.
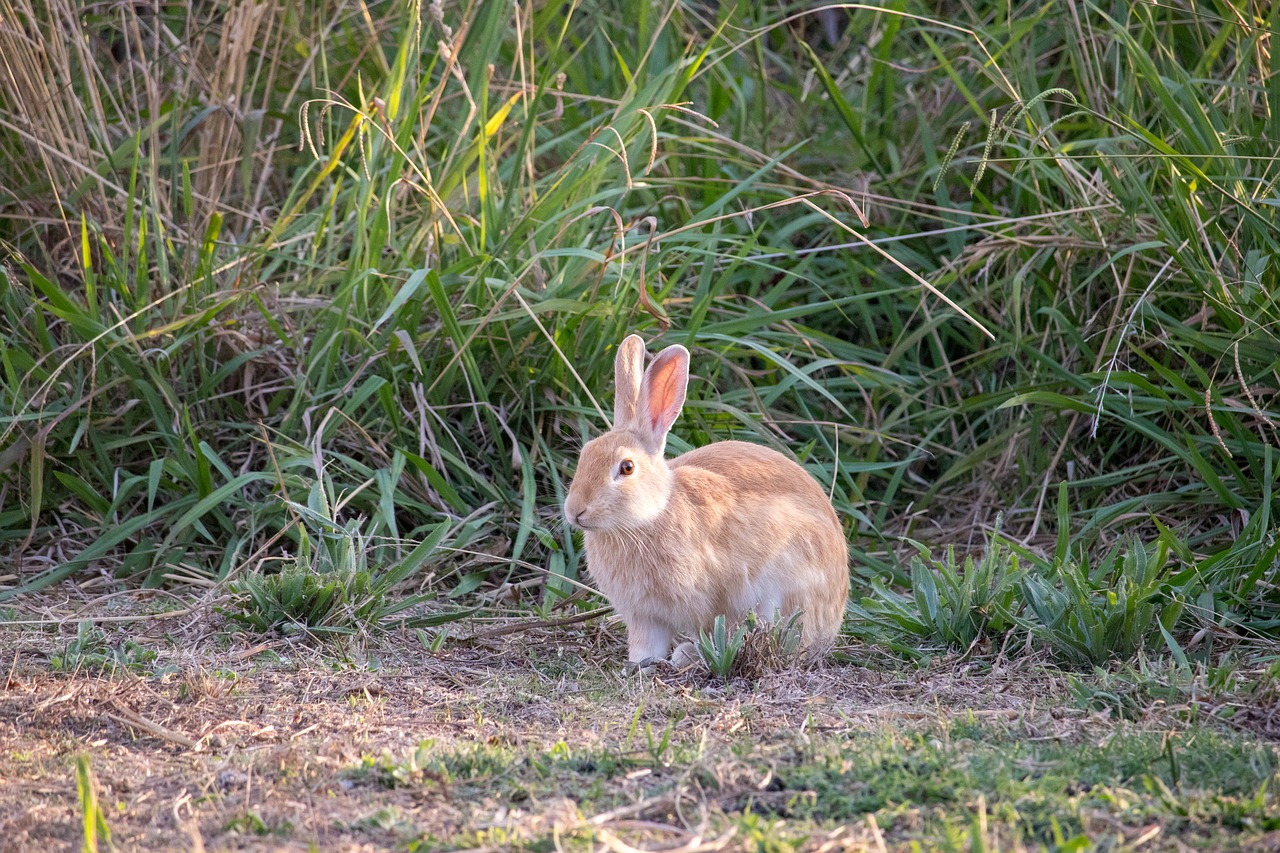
pixel 283 274
pixel 307 307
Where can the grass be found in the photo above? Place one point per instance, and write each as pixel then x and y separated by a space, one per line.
pixel 935 787
pixel 752 649
pixel 408 281
pixel 91 650
pixel 1083 614
pixel 95 823
pixel 305 311
pixel 329 588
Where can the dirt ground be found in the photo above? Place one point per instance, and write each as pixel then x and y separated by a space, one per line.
pixel 241 745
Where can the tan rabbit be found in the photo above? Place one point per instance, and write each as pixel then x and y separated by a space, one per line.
pixel 724 529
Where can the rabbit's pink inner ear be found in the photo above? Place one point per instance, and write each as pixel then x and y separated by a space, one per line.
pixel 665 384
pixel 628 373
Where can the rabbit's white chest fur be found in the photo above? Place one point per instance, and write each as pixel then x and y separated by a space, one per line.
pixel 677 587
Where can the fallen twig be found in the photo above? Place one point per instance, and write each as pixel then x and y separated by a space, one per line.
pixel 130 718
pixel 533 624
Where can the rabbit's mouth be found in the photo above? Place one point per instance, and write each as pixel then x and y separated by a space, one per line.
pixel 584 521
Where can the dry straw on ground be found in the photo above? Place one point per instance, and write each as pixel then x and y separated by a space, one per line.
pixel 240 738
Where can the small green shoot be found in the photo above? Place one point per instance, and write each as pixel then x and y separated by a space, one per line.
pixel 96 831
pixel 720 649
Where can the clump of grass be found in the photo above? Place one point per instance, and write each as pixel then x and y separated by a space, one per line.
pixel 303 598
pixel 1089 615
pixel 91 650
pixel 330 588
pixel 419 768
pixel 721 650
pixel 251 823
pixel 1084 614
pixel 948 604
pixel 754 648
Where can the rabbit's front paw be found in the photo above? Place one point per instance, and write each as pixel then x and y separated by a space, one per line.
pixel 645 666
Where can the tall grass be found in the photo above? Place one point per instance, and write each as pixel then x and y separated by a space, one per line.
pixel 251 247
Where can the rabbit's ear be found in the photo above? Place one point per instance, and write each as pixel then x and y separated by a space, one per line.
pixel 662 393
pixel 628 371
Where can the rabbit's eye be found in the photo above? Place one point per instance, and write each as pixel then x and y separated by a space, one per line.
pixel 627 468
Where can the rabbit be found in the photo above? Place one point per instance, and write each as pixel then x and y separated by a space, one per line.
pixel 721 530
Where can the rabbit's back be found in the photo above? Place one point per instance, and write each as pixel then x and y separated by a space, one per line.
pixel 777 520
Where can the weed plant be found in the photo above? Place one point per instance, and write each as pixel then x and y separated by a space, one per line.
pixel 720 649
pixel 91 650
pixel 754 647
pixel 948 264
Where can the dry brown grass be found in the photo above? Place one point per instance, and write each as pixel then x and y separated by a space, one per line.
pixel 252 744
pixel 92 91
pixel 269 729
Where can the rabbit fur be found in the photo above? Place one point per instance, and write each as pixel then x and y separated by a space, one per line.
pixel 724 529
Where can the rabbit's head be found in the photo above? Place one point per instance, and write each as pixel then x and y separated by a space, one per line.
pixel 622 479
